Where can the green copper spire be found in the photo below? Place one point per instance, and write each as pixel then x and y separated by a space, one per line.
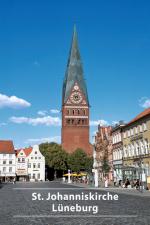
pixel 74 71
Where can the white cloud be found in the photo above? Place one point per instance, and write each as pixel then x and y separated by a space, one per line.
pixel 13 102
pixel 47 120
pixel 144 102
pixel 56 139
pixel 42 112
pixel 115 123
pixel 3 124
pixel 54 111
pixel 98 122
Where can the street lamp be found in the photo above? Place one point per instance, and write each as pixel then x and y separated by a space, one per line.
pixel 69 175
pixel 95 170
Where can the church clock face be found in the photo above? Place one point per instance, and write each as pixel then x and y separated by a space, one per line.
pixel 76 97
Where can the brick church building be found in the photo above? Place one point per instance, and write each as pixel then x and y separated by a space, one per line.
pixel 75 104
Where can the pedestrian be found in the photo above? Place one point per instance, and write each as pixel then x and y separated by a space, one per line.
pixel 106 182
pixel 127 183
pixel 115 181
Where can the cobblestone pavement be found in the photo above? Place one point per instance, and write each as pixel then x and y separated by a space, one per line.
pixel 16 201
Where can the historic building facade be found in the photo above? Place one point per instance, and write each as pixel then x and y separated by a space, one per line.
pixel 117 146
pixel 103 151
pixel 136 143
pixel 30 164
pixel 75 104
pixel 7 161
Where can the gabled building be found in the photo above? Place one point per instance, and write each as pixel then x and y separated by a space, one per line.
pixel 7 161
pixel 22 163
pixel 103 151
pixel 75 104
pixel 30 164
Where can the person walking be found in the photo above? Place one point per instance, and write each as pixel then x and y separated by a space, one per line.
pixel 106 182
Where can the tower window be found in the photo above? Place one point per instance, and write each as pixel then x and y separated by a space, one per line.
pixel 73 112
pixel 72 121
pixel 68 121
pixel 68 111
pixel 84 112
pixel 78 111
pixel 79 121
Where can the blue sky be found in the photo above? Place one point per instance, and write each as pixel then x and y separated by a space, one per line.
pixel 114 40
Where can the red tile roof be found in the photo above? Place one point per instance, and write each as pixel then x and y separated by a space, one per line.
pixel 146 112
pixel 27 151
pixel 7 147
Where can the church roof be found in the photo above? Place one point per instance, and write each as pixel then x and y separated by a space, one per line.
pixel 74 71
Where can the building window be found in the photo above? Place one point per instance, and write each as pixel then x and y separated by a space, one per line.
pixel 35 152
pixel 144 127
pixel 18 159
pixel 10 169
pixel 4 162
pixel 39 157
pixel 38 165
pixel 31 157
pixel 33 176
pixel 68 111
pixel 38 176
pixel 73 112
pixel 79 121
pixel 29 165
pixel 23 159
pixel 136 130
pixel 78 111
pixel 68 121
pixel 124 134
pixel 34 165
pixel 140 126
pixel 10 162
pixel 4 169
pixel 128 133
pixel 35 157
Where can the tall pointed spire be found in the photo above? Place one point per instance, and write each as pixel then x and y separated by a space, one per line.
pixel 74 71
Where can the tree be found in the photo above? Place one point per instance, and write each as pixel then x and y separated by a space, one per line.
pixel 55 156
pixel 79 161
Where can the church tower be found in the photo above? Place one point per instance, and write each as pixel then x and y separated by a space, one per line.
pixel 75 104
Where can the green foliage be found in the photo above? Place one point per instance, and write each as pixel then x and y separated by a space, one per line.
pixel 79 161
pixel 55 156
pixel 58 159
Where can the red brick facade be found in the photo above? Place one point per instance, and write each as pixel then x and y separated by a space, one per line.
pixel 75 125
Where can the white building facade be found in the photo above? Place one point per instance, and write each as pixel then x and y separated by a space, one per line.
pixel 36 165
pixel 30 164
pixel 7 161
pixel 117 144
